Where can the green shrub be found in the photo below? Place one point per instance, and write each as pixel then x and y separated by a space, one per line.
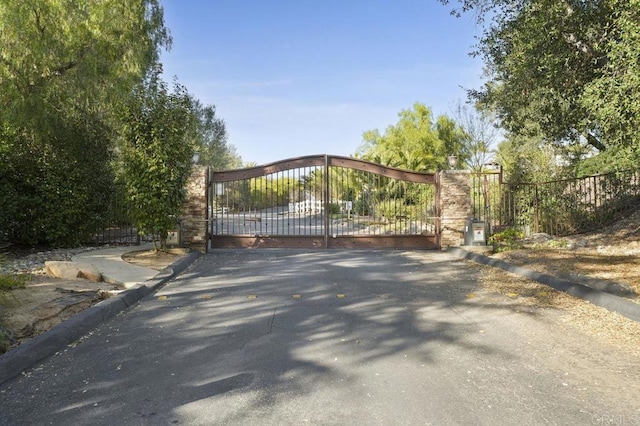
pixel 156 157
pixel 334 209
pixel 5 340
pixel 558 243
pixel 8 282
pixel 52 188
pixel 11 282
pixel 393 210
pixel 509 239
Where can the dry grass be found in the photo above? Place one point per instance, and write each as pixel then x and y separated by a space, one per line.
pixel 611 254
pixel 564 263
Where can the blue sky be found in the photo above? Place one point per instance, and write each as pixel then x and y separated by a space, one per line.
pixel 304 77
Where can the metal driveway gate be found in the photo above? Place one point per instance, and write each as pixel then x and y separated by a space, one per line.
pixel 323 201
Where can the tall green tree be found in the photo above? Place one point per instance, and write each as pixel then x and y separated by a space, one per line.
pixel 415 142
pixel 563 70
pixel 63 64
pixel 212 139
pixel 54 54
pixel 157 148
pixel 613 98
pixel 528 160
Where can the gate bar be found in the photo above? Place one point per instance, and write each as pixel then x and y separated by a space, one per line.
pixel 326 201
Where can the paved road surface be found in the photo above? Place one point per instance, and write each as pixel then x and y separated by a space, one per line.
pixel 227 343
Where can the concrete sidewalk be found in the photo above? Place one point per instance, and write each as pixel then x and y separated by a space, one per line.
pixel 138 281
pixel 113 269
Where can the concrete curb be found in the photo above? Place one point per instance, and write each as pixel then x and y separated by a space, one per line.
pixel 15 361
pixel 608 301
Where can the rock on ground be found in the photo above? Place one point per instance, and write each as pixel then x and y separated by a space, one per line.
pixel 70 270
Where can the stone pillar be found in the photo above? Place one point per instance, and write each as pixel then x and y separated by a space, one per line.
pixel 455 206
pixel 194 210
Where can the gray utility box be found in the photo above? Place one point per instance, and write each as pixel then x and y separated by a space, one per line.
pixel 174 238
pixel 474 233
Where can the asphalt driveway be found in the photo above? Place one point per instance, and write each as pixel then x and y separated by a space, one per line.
pixel 272 337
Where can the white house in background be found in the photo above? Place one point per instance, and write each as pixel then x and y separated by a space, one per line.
pixel 310 205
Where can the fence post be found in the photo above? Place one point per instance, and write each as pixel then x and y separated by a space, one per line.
pixel 327 201
pixel 455 202
pixel 537 210
pixel 194 210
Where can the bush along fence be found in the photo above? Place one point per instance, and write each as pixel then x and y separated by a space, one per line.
pixel 560 207
pixel 116 227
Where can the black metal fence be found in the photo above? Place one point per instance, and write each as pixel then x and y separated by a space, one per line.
pixel 486 199
pixel 115 226
pixel 560 207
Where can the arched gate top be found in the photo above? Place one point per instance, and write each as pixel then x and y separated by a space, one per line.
pixel 322 160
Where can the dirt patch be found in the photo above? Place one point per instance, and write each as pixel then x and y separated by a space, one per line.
pixel 152 259
pixel 46 301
